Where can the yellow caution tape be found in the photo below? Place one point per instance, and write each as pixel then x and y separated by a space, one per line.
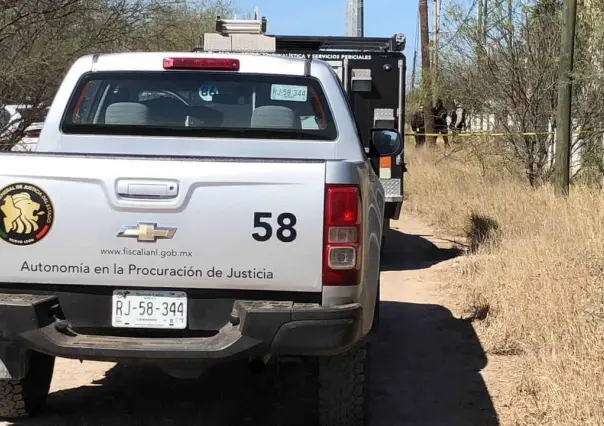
pixel 449 134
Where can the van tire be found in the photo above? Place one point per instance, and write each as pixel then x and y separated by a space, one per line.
pixel 24 397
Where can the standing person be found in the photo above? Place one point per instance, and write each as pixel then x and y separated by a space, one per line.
pixel 439 112
pixel 458 119
pixel 417 125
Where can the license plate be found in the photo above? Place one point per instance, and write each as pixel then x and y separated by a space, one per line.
pixel 149 309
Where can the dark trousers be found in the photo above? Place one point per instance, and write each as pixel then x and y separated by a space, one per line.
pixel 420 139
pixel 444 132
pixel 454 133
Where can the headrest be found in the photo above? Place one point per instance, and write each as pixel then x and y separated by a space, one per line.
pixel 275 117
pixel 127 113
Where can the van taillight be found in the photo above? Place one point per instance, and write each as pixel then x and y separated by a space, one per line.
pixel 341 235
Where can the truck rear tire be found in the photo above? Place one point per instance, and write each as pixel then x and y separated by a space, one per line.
pixel 23 397
pixel 344 387
pixel 325 391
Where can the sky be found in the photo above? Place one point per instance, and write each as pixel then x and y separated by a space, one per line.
pixel 383 18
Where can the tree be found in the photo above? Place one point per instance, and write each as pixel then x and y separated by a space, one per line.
pixel 40 39
pixel 511 76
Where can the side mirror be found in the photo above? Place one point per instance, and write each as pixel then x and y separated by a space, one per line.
pixel 385 143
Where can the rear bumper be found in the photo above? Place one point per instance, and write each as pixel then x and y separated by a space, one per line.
pixel 254 328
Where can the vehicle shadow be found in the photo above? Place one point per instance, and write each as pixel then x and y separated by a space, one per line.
pixel 427 369
pixel 404 252
pixel 427 363
pixel 143 395
pixel 425 372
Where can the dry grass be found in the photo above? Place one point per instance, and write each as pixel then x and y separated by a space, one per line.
pixel 537 283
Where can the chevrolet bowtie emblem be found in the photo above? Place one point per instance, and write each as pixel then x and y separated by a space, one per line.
pixel 147 232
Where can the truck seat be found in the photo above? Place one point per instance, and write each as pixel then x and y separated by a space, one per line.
pixel 127 113
pixel 275 117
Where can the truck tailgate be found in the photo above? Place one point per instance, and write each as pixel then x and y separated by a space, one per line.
pixel 220 224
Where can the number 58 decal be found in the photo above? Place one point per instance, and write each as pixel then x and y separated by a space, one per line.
pixel 286 223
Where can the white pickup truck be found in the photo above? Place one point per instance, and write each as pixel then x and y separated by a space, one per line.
pixel 188 209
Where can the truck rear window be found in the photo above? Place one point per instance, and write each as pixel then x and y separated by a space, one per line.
pixel 199 104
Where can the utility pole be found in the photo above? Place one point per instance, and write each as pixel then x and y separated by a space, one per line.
pixel 478 47
pixel 355 17
pixel 413 69
pixel 482 28
pixel 565 92
pixel 485 18
pixel 479 21
pixel 426 84
pixel 434 64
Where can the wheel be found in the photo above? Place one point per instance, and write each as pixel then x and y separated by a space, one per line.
pixel 344 387
pixel 326 391
pixel 23 397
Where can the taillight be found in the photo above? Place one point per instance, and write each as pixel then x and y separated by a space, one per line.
pixel 342 235
pixel 32 133
pixel 210 64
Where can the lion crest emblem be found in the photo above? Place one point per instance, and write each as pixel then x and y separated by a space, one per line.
pixel 26 214
pixel 21 213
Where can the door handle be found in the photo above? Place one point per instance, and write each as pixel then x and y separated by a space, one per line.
pixel 150 189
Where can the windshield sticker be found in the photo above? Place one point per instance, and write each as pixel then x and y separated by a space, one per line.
pixel 26 214
pixel 286 92
pixel 207 92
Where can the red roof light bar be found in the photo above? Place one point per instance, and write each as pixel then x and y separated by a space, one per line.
pixel 210 64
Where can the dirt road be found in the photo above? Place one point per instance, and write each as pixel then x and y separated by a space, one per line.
pixel 427 364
